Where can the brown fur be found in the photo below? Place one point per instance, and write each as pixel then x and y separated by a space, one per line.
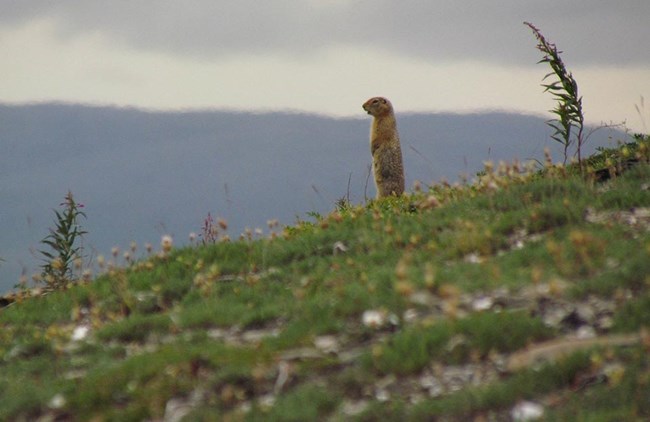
pixel 385 148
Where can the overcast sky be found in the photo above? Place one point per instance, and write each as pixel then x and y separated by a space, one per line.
pixel 325 56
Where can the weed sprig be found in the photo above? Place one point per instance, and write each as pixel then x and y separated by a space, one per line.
pixel 63 242
pixel 569 103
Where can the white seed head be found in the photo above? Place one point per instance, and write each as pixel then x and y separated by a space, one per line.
pixel 166 242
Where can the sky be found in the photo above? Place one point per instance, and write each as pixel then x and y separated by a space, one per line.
pixel 326 57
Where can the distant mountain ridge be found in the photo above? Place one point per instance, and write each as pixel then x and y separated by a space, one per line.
pixel 142 174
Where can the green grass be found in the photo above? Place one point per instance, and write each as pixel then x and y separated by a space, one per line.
pixel 215 323
pixel 526 384
pixel 305 403
pixel 413 348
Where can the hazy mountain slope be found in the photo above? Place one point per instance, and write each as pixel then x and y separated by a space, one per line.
pixel 143 174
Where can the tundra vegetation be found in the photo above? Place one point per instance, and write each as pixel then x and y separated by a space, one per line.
pixel 524 293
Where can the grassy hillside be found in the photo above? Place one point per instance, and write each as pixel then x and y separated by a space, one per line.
pixel 521 294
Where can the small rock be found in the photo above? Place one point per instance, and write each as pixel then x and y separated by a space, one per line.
pixel 602 306
pixel 555 315
pixel 457 377
pixel 176 409
pixel 80 333
pixel 527 411
pixel 410 315
pixel 423 298
pixel 327 344
pixel 592 216
pixel 354 408
pixel 432 385
pixel 382 396
pixel 473 258
pixel 57 402
pixel 482 303
pixel 605 322
pixel 267 401
pixel 499 362
pixel 216 333
pixel 642 212
pixel 254 336
pixel 339 247
pixel 585 331
pixel 586 313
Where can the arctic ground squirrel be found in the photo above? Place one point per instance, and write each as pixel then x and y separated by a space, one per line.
pixel 385 148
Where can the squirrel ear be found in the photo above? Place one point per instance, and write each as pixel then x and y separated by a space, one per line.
pixel 383 100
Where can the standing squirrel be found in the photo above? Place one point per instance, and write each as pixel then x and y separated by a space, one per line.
pixel 385 148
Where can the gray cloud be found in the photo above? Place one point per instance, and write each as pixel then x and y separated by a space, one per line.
pixel 589 31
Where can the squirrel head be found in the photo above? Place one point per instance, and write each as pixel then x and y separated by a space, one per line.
pixel 378 106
